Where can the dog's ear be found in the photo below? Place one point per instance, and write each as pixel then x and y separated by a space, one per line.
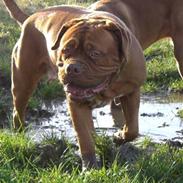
pixel 123 37
pixel 62 31
pixel 59 36
pixel 130 52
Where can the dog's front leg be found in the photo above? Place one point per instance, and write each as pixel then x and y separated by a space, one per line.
pixel 130 105
pixel 82 122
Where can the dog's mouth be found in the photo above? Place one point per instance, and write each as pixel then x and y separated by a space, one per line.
pixel 79 93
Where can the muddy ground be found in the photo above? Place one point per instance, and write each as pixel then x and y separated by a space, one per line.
pixel 158 116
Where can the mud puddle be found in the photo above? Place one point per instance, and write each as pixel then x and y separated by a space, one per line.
pixel 157 119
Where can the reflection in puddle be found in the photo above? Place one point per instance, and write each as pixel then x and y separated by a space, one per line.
pixel 157 119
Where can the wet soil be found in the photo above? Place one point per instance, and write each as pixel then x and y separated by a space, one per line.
pixel 158 119
pixel 158 116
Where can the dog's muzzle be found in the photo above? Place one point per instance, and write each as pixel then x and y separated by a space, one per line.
pixel 78 93
pixel 74 69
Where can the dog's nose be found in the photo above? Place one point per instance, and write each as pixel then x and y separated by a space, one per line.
pixel 73 69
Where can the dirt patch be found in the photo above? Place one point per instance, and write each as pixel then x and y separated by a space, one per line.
pixel 174 143
pixel 38 114
pixel 158 114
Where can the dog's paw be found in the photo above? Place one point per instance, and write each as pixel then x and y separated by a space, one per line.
pixel 122 137
pixel 89 162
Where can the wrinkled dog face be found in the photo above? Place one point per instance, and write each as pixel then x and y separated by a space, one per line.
pixel 89 57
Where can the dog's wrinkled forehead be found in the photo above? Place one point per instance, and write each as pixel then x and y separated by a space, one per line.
pixel 86 23
pixel 77 27
pixel 108 34
pixel 76 31
pixel 90 33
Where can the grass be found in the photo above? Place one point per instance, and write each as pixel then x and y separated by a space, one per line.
pixel 180 113
pixel 21 160
pixel 162 74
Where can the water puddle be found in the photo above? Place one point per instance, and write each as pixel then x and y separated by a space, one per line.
pixel 157 119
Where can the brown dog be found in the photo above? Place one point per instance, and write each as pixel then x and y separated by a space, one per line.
pixel 96 55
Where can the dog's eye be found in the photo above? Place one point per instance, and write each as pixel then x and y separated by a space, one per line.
pixel 66 49
pixel 94 54
pixel 65 52
pixel 72 44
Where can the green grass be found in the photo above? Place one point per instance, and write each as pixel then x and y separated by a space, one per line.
pixel 46 91
pixel 22 160
pixel 162 74
pixel 180 113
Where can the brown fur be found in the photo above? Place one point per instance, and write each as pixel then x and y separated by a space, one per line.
pixel 120 24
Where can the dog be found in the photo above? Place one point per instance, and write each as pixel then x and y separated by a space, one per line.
pixel 97 53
